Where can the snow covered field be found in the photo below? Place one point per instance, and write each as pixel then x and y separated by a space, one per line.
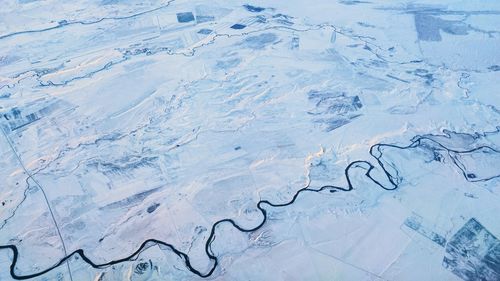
pixel 263 140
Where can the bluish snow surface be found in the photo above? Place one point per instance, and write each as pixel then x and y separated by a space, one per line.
pixel 235 140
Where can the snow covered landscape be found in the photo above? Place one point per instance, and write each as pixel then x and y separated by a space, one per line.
pixel 264 140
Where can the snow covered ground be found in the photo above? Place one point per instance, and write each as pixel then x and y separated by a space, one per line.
pixel 263 140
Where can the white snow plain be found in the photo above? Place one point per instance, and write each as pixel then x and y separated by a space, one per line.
pixel 124 121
